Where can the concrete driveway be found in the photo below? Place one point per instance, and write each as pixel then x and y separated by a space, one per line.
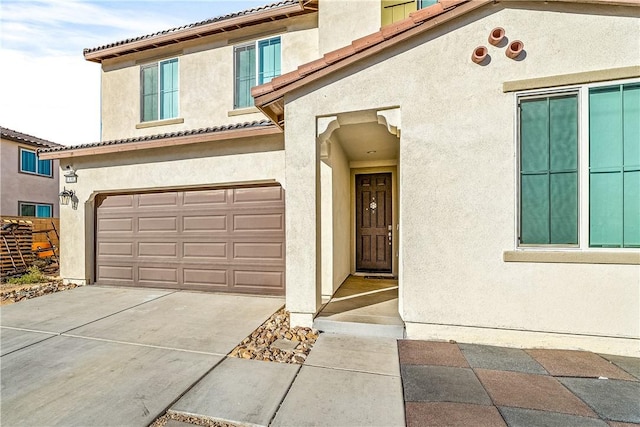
pixel 115 356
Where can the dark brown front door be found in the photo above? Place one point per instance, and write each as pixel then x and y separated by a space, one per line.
pixel 373 222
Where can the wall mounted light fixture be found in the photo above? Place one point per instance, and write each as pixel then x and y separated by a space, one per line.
pixel 66 196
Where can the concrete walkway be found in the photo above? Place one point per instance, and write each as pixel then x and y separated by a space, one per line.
pixel 345 381
pixel 109 356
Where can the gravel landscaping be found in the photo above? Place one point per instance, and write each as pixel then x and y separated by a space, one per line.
pixel 189 419
pixel 10 293
pixel 276 341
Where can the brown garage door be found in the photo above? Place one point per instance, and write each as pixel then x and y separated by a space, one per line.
pixel 224 240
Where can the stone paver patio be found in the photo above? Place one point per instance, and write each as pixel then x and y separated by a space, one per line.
pixel 448 384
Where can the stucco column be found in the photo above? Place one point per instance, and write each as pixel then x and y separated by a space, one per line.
pixel 75 259
pixel 302 196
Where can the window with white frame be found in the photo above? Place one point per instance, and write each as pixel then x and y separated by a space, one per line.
pixel 40 210
pixel 159 90
pixel 255 63
pixel 591 131
pixel 29 163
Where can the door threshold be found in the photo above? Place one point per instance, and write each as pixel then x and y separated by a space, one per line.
pixel 373 275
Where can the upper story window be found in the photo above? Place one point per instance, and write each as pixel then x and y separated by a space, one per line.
pixel 40 210
pixel 159 90
pixel 29 163
pixel 396 10
pixel 254 64
pixel 593 132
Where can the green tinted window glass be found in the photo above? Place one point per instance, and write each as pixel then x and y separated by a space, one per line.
pixel 605 128
pixel 27 210
pixel 564 208
pixel 563 133
pixel 149 93
pixel 534 135
pixel 631 131
pixel 605 209
pixel 614 166
pixel 631 196
pixel 245 75
pixel 169 89
pixel 549 170
pixel 269 62
pixel 534 209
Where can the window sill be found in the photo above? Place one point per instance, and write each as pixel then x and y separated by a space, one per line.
pixel 154 123
pixel 573 257
pixel 35 174
pixel 241 111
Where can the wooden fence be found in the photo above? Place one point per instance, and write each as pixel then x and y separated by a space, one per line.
pixel 27 239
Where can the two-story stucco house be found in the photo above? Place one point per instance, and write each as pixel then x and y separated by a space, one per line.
pixel 29 185
pixel 485 153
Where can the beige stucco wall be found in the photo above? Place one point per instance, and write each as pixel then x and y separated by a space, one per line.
pixel 22 187
pixel 457 182
pixel 205 164
pixel 341 227
pixel 205 77
pixel 342 21
pixel 335 218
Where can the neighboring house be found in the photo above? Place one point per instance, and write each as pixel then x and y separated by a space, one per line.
pixel 496 175
pixel 29 184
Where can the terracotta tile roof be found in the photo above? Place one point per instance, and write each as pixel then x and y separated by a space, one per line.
pixel 23 138
pixel 219 24
pixel 238 130
pixel 269 97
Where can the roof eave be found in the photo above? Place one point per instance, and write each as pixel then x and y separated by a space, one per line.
pixel 160 143
pixel 267 98
pixel 270 96
pixel 200 31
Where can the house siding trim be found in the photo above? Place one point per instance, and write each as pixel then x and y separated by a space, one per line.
pixel 572 79
pixel 573 257
pixel 145 143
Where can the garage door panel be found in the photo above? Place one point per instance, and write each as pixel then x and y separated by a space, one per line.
pixel 115 273
pixel 209 251
pixel 204 223
pixel 115 249
pixel 198 198
pixel 150 224
pixel 260 194
pixel 225 240
pixel 255 250
pixel 119 201
pixel 114 225
pixel 204 277
pixel 157 199
pixel 258 222
pixel 161 275
pixel 164 249
pixel 254 279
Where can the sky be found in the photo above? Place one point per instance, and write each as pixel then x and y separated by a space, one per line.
pixel 47 89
